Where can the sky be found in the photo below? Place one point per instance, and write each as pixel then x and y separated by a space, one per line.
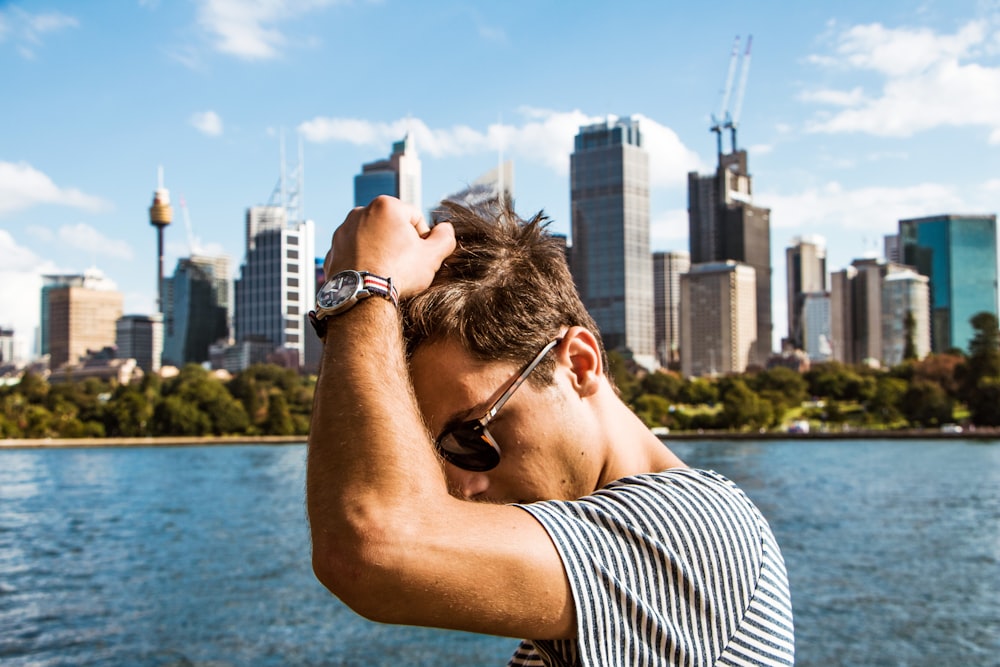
pixel 855 114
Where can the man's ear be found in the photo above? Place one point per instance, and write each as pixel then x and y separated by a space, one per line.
pixel 581 352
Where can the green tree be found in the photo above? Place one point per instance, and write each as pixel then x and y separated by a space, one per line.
pixel 910 328
pixel 279 418
pixel 984 404
pixel 884 406
pixel 662 383
pixel 176 416
pixel 699 391
pixel 743 409
pixel 926 404
pixel 654 410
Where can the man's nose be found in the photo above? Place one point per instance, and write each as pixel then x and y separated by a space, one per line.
pixel 465 483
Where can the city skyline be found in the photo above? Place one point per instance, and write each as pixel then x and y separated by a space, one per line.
pixel 855 116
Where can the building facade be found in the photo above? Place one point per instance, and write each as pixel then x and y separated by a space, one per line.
pixel 198 309
pixel 79 315
pixel 958 253
pixel 399 175
pixel 276 287
pixel 905 316
pixel 611 260
pixel 667 270
pixel 723 224
pixel 856 310
pixel 140 337
pixel 718 312
pixel 816 326
pixel 805 265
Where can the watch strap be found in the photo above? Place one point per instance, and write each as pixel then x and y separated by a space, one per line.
pixel 380 286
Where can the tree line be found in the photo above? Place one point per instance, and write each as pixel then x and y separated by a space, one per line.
pixel 262 400
pixel 268 400
pixel 939 389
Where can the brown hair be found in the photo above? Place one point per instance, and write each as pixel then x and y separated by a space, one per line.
pixel 503 293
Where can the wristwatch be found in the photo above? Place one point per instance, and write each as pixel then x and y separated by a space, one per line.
pixel 345 289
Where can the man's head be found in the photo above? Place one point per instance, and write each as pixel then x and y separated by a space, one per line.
pixel 503 294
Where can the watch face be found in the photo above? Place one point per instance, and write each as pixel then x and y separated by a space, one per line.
pixel 338 289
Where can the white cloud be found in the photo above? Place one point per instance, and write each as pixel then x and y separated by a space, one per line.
pixel 207 122
pixel 871 209
pixel 20 286
pixel 544 137
pixel 929 81
pixel 84 237
pixel 669 230
pixel 23 186
pixel 248 28
pixel 26 30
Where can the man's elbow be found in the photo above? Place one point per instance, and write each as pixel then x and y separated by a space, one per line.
pixel 361 570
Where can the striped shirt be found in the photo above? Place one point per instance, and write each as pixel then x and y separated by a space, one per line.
pixel 670 568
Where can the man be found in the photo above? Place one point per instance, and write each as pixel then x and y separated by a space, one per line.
pixel 488 383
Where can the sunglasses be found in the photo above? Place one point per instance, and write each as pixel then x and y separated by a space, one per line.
pixel 469 444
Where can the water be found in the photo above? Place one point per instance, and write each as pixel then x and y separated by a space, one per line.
pixel 199 556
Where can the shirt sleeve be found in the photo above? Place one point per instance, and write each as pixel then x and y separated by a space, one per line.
pixel 663 568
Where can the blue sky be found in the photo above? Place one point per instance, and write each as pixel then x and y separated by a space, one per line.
pixel 856 114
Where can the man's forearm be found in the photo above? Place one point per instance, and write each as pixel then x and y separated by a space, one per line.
pixel 370 458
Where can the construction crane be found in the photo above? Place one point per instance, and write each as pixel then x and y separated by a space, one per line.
pixel 733 121
pixel 193 247
pixel 720 121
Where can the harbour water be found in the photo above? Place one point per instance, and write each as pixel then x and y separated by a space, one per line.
pixel 199 556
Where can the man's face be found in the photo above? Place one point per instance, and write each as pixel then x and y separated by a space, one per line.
pixel 541 457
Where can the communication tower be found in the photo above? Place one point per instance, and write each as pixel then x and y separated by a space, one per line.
pixel 160 215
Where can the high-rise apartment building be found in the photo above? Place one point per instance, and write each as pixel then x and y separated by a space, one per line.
pixel 79 313
pixel 494 184
pixel 856 310
pixel 718 313
pixel 805 264
pixel 276 287
pixel 197 309
pixel 398 176
pixel 667 270
pixel 958 253
pixel 891 249
pixel 905 316
pixel 611 260
pixel 140 337
pixel 7 347
pixel 815 326
pixel 724 224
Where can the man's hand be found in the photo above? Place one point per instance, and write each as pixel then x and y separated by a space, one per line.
pixel 391 239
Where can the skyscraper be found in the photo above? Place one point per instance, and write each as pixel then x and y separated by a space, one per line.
pixel 856 310
pixel 495 183
pixel 724 224
pixel 276 287
pixel 398 176
pixel 816 326
pixel 197 309
pixel 612 263
pixel 958 253
pixel 140 337
pixel 805 263
pixel 718 314
pixel 905 316
pixel 79 313
pixel 667 270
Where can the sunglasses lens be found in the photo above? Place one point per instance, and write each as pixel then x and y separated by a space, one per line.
pixel 469 448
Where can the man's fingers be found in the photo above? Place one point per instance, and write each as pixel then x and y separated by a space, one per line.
pixel 441 239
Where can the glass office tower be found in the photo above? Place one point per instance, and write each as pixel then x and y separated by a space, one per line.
pixel 959 255
pixel 612 264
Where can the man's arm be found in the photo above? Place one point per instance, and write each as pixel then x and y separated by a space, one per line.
pixel 388 539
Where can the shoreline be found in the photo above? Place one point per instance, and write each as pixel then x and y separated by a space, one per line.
pixel 195 441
